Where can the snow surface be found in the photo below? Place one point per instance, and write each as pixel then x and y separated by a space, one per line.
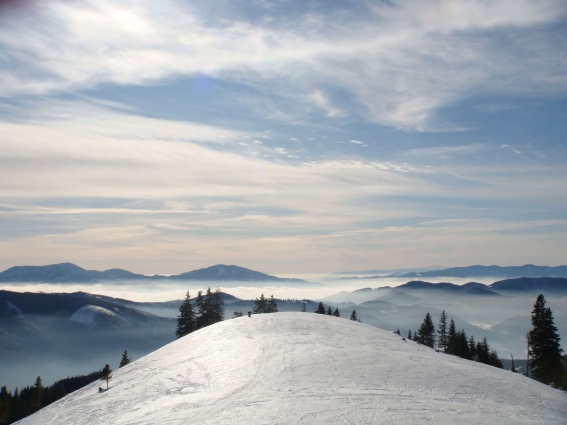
pixel 87 314
pixel 294 368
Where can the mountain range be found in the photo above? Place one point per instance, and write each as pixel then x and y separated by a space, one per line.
pixel 527 270
pixel 524 284
pixel 409 293
pixel 70 273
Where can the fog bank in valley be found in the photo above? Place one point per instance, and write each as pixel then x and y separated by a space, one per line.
pixel 72 349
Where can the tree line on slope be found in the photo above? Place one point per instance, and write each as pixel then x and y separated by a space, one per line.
pixel 329 312
pixel 261 305
pixel 453 341
pixel 207 310
pixel 264 305
pixel 30 399
pixel 545 361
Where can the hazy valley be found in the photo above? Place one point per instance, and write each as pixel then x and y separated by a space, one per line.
pixel 60 334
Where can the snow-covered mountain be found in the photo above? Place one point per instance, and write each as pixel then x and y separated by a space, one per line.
pixel 293 368
pixel 92 315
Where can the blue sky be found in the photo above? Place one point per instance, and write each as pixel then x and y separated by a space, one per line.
pixel 284 136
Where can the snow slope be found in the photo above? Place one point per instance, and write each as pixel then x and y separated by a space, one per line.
pixel 293 368
pixel 87 314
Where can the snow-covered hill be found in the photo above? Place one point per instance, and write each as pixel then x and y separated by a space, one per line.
pixel 90 315
pixel 290 368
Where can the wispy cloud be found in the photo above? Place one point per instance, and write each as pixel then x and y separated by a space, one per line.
pixel 323 102
pixel 422 56
pixel 446 151
pixel 303 171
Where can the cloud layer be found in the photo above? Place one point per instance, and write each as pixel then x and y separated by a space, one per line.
pixel 282 136
pixel 397 65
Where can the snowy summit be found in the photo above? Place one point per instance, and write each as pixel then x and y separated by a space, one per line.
pixel 290 368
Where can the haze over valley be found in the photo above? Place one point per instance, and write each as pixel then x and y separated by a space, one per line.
pixel 74 326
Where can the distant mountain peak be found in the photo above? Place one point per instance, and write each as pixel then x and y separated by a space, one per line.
pixel 69 272
pixel 222 272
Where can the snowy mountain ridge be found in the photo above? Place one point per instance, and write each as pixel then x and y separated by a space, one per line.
pixel 290 368
pixel 87 314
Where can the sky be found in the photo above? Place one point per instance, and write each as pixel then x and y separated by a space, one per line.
pixel 283 136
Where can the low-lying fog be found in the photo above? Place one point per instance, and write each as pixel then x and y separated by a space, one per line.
pixel 503 319
pixel 166 290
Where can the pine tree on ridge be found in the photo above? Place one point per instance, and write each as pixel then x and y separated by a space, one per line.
pixel 426 332
pixel 186 321
pixel 442 332
pixel 545 350
pixel 125 359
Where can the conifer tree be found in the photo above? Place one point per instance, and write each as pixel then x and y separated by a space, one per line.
pixel 329 311
pixel 208 316
pixel 494 360
pixel 452 338
pixel 462 346
pixel 528 354
pixel 5 397
pixel 409 336
pixel 545 362
pixel 353 316
pixel 483 351
pixel 200 306
pixel 218 307
pixel 186 321
pixel 426 332
pixel 37 395
pixel 106 374
pixel 272 306
pixel 320 308
pixel 472 348
pixel 16 399
pixel 19 406
pixel 513 367
pixel 260 305
pixel 336 313
pixel 442 332
pixel 125 359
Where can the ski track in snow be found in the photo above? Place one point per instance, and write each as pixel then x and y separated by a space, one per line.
pixel 295 368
